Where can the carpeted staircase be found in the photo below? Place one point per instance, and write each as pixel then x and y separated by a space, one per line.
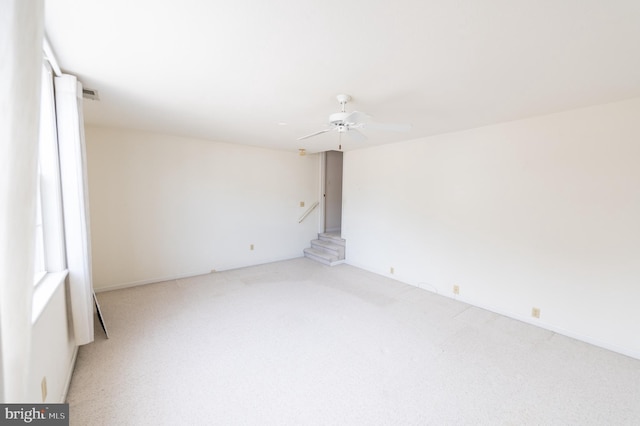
pixel 327 249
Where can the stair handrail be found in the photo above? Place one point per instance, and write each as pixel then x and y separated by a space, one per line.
pixel 309 210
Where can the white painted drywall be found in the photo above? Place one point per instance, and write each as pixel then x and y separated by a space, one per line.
pixel 165 206
pixel 542 212
pixel 53 350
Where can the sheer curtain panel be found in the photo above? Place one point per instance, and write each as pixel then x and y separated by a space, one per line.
pixel 21 32
pixel 71 145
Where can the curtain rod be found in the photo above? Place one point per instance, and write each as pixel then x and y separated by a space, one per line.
pixel 48 54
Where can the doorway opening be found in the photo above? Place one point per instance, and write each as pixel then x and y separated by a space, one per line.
pixel 333 192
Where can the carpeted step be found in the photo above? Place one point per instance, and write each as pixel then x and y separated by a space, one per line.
pixel 322 256
pixel 332 238
pixel 329 247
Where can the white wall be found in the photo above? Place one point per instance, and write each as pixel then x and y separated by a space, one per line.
pixel 542 212
pixel 165 206
pixel 53 350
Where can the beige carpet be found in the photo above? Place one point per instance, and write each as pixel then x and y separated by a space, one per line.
pixel 298 343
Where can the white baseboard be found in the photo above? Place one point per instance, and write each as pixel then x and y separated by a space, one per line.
pixel 538 323
pixel 191 274
pixel 150 281
pixel 551 327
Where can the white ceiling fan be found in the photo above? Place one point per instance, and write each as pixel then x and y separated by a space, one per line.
pixel 350 122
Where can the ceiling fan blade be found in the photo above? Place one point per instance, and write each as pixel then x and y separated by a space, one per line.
pixel 390 127
pixel 356 117
pixel 355 135
pixel 314 134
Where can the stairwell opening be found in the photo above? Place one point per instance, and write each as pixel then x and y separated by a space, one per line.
pixel 329 247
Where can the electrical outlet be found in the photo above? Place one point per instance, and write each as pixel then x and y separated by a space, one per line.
pixel 301 203
pixel 392 270
pixel 43 386
pixel 456 289
pixel 251 247
pixel 535 312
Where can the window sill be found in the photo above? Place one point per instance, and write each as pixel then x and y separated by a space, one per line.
pixel 44 291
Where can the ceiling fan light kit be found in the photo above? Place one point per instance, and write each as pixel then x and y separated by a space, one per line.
pixel 349 122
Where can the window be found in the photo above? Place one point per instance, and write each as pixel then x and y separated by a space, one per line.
pixel 39 263
pixel 49 256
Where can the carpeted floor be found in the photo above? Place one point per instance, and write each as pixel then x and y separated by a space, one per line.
pixel 298 343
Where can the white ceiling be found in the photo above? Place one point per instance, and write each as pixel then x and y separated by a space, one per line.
pixel 233 71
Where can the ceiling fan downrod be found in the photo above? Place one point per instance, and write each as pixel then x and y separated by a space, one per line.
pixel 343 99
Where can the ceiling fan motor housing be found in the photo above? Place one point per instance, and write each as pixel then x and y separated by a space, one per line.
pixel 338 117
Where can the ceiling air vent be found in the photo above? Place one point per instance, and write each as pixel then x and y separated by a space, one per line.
pixel 90 94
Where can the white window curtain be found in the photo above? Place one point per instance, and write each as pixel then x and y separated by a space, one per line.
pixel 71 145
pixel 21 32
